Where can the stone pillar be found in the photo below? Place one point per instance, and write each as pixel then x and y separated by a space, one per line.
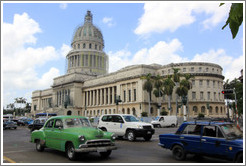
pixel 113 96
pixel 104 96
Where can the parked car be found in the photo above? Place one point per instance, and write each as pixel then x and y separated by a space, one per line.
pixel 19 122
pixel 73 135
pixel 9 125
pixel 216 139
pixel 124 125
pixel 165 121
pixel 37 124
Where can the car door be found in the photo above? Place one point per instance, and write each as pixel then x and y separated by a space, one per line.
pixel 117 125
pixel 213 141
pixel 48 129
pixel 190 137
pixel 57 134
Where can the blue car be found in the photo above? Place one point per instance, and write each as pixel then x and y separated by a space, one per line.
pixel 216 139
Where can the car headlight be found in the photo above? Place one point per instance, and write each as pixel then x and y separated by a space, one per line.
pixel 113 136
pixel 140 126
pixel 81 138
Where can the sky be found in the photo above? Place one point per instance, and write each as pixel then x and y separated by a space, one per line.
pixel 36 37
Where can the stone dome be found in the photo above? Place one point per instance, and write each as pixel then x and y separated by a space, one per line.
pixel 88 32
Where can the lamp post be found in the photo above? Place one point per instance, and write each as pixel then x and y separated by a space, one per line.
pixel 184 101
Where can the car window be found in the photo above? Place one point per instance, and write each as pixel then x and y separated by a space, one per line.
pixel 58 123
pixel 192 130
pixel 209 131
pixel 130 118
pixel 219 133
pixel 107 118
pixel 161 119
pixel 117 119
pixel 50 123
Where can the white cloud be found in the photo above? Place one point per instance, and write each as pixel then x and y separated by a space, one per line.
pixel 231 66
pixel 65 49
pixel 108 21
pixel 20 63
pixel 177 14
pixel 161 53
pixel 63 6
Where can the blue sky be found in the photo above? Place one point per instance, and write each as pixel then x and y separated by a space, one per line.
pixel 37 36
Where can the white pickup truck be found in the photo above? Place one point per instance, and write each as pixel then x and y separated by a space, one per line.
pixel 165 121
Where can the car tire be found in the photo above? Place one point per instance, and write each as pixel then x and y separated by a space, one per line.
pixel 130 135
pixel 158 126
pixel 15 127
pixel 105 154
pixel 103 129
pixel 173 125
pixel 147 137
pixel 239 158
pixel 179 153
pixel 70 152
pixel 39 146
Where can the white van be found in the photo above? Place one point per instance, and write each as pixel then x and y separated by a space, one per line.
pixel 165 121
pixel 125 125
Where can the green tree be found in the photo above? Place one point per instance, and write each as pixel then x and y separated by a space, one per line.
pixel 184 87
pixel 168 85
pixel 235 18
pixel 176 80
pixel 147 86
pixel 158 84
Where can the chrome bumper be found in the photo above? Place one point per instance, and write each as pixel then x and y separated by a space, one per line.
pixel 96 149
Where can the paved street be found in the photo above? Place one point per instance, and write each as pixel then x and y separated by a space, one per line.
pixel 18 149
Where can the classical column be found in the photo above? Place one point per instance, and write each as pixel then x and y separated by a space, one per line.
pixel 113 97
pixel 105 96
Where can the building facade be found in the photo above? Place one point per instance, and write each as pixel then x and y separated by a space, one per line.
pixel 88 89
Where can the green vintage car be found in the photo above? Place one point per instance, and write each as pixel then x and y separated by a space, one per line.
pixel 73 135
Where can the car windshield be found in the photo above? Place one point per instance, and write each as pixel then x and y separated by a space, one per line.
pixel 157 118
pixel 77 122
pixel 232 131
pixel 129 118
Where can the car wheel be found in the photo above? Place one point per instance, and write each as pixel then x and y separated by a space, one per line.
pixel 70 152
pixel 173 125
pixel 131 135
pixel 179 153
pixel 15 127
pixel 159 126
pixel 239 158
pixel 39 146
pixel 105 154
pixel 147 137
pixel 103 129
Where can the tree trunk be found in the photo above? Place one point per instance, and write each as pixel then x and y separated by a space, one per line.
pixel 149 102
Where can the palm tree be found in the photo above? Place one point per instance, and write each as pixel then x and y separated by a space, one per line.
pixel 183 89
pixel 176 80
pixel 158 84
pixel 168 89
pixel 148 86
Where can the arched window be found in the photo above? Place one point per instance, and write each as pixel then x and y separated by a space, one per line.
pixel 69 112
pixel 90 46
pixel 203 109
pixel 84 45
pixel 128 110
pixel 195 109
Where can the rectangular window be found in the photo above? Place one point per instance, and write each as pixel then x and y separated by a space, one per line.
pixel 200 69
pixel 124 96
pixel 193 83
pixel 200 82
pixel 214 84
pixel 201 95
pixel 208 95
pixel 193 95
pixel 207 83
pixel 192 69
pixel 129 95
pixel 184 69
pixel 135 95
pixel 215 96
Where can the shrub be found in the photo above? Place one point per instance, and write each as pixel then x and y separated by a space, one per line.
pixel 144 114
